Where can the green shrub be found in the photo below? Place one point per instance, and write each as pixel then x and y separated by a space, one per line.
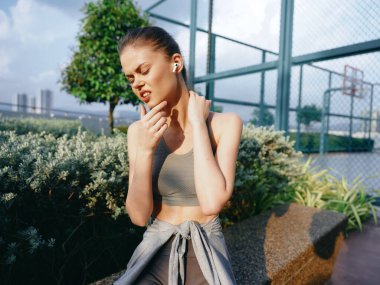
pixel 317 188
pixel 122 128
pixel 62 217
pixel 56 127
pixel 266 163
pixel 269 172
pixel 309 143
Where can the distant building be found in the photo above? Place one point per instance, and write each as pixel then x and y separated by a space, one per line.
pixel 45 101
pixel 375 122
pixel 20 103
pixel 33 105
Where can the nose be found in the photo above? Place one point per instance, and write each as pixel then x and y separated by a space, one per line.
pixel 137 83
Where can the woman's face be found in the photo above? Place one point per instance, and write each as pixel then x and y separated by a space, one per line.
pixel 149 72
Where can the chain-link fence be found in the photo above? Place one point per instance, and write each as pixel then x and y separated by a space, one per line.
pixel 237 65
pixel 345 135
pixel 237 59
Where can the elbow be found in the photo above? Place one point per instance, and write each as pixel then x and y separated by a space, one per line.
pixel 137 218
pixel 139 222
pixel 211 209
pixel 210 212
pixel 213 206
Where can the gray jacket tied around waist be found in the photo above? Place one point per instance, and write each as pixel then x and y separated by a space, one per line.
pixel 209 247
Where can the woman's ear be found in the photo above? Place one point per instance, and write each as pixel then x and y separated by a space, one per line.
pixel 177 62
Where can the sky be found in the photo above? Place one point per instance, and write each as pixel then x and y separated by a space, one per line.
pixel 37 36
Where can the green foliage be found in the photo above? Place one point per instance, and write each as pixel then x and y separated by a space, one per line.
pixel 94 73
pixel 317 188
pixel 62 217
pixel 123 128
pixel 308 114
pixel 269 172
pixel 309 143
pixel 62 207
pixel 56 127
pixel 268 118
pixel 266 163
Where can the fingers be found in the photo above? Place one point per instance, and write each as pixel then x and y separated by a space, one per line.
pixel 197 97
pixel 162 128
pixel 154 110
pixel 159 127
pixel 192 93
pixel 153 121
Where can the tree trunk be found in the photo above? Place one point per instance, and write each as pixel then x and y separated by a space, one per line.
pixel 113 103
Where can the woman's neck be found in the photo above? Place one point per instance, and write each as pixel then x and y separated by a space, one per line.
pixel 177 109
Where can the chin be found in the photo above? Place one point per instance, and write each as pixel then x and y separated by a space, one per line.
pixel 154 103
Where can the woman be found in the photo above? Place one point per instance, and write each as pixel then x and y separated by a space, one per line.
pixel 182 168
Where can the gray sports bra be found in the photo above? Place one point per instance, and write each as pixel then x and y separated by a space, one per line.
pixel 173 177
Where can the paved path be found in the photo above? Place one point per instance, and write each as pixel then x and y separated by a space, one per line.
pixel 358 261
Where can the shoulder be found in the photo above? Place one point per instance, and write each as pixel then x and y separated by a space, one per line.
pixel 225 123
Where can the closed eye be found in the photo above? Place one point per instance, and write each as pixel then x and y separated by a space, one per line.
pixel 144 72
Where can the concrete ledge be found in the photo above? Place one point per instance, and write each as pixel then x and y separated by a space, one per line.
pixel 291 244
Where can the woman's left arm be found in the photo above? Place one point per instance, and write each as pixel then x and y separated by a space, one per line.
pixel 215 176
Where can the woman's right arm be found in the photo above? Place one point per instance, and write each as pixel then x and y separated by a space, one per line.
pixel 143 137
pixel 139 202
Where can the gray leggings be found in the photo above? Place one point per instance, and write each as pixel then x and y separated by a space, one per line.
pixel 157 270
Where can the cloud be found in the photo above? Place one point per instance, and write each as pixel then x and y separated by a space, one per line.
pixel 44 77
pixel 244 21
pixel 34 39
pixel 4 25
pixel 69 7
pixel 35 23
pixel 4 65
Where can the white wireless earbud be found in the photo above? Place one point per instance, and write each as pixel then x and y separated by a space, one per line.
pixel 175 65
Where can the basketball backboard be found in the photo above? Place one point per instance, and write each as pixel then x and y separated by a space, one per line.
pixel 353 81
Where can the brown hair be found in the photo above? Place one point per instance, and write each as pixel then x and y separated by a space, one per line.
pixel 157 37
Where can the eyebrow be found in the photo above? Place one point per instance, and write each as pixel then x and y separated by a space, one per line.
pixel 137 68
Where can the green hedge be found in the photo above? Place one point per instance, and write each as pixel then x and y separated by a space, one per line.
pixel 266 163
pixel 309 143
pixel 62 218
pixel 56 127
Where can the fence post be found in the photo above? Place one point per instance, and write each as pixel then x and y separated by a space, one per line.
pixel 298 136
pixel 350 130
pixel 210 85
pixel 284 66
pixel 262 91
pixel 370 115
pixel 193 33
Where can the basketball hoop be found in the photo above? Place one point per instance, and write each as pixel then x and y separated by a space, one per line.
pixel 353 81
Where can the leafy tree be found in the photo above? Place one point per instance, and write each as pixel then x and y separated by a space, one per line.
pixel 268 118
pixel 94 73
pixel 308 114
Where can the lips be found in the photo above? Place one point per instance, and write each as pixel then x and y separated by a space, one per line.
pixel 145 95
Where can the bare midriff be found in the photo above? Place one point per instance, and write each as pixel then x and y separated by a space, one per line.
pixel 177 214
